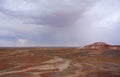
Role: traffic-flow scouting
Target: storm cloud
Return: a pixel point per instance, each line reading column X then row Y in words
column 58, row 23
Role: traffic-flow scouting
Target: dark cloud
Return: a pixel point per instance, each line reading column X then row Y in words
column 57, row 19
column 54, row 13
column 58, row 23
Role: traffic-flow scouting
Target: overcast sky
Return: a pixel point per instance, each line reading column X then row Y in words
column 59, row 22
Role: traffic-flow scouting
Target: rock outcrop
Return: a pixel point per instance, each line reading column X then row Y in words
column 101, row 45
column 98, row 45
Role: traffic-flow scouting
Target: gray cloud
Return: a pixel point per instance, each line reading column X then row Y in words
column 58, row 23
column 55, row 12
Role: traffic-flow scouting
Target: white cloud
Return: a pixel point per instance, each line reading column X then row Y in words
column 22, row 42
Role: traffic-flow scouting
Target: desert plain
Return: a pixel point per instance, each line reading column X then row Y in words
column 101, row 61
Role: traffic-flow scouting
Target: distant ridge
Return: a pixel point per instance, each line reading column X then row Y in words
column 101, row 45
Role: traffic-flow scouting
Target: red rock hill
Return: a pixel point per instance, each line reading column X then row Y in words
column 98, row 45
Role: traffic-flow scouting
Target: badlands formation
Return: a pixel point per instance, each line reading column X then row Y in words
column 95, row 60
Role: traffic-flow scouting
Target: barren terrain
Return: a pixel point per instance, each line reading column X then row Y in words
column 59, row 62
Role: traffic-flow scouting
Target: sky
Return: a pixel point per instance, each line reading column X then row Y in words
column 51, row 23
